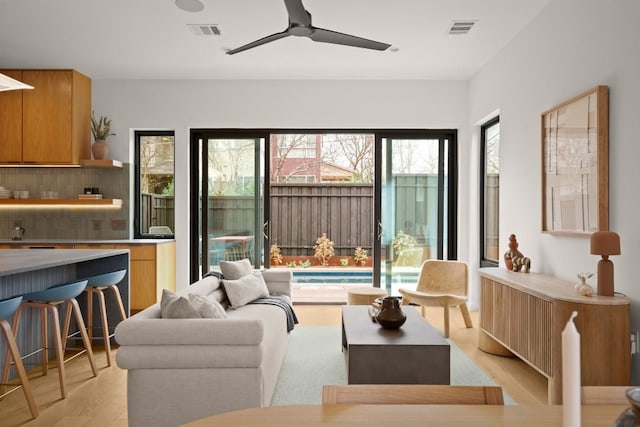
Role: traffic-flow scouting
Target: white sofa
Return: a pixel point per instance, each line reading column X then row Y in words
column 181, row 370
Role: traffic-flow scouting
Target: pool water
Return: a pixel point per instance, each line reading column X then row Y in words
column 333, row 277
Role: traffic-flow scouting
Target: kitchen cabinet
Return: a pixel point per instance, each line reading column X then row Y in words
column 11, row 121
column 153, row 268
column 56, row 119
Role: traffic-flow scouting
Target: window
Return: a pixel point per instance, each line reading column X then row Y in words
column 489, row 192
column 154, row 185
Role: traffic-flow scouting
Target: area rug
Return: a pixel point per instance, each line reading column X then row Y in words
column 314, row 358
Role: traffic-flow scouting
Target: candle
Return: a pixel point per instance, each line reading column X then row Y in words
column 571, row 374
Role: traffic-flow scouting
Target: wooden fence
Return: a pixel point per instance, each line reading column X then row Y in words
column 157, row 210
column 300, row 213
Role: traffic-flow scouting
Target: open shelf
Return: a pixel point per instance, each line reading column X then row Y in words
column 106, row 163
column 54, row 202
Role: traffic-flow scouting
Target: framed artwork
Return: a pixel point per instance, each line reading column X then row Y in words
column 575, row 165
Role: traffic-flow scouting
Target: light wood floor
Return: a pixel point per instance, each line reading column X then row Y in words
column 101, row 401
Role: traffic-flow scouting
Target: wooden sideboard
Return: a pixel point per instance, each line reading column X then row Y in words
column 525, row 313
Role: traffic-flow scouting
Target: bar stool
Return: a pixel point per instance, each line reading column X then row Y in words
column 96, row 286
column 7, row 308
column 49, row 299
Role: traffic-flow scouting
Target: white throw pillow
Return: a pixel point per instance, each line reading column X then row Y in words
column 246, row 289
column 234, row 270
column 173, row 306
column 207, row 308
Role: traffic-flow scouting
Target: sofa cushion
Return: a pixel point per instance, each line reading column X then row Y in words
column 234, row 270
column 246, row 289
column 174, row 306
column 208, row 308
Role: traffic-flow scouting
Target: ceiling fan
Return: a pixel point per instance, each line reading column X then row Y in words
column 300, row 25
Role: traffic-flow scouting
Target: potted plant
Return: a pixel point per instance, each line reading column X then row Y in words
column 360, row 256
column 324, row 249
column 344, row 262
column 275, row 254
column 100, row 129
column 402, row 242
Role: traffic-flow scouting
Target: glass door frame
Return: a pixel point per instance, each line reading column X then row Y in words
column 199, row 203
column 452, row 190
column 196, row 162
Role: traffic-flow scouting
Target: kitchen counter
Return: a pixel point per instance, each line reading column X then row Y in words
column 152, row 265
column 29, row 270
column 24, row 260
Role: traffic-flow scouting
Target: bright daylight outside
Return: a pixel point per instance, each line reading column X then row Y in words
column 156, row 183
column 321, row 204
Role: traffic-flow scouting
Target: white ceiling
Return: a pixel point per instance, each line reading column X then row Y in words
column 149, row 39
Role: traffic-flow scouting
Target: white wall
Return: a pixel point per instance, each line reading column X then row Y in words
column 181, row 105
column 572, row 46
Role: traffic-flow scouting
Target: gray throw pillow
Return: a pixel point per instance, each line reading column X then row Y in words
column 173, row 306
column 246, row 289
column 207, row 308
column 234, row 270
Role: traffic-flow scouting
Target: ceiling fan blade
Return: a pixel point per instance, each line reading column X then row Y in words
column 264, row 40
column 297, row 13
column 328, row 36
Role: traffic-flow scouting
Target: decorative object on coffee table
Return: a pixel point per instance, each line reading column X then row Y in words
column 605, row 243
column 390, row 315
column 514, row 260
column 100, row 129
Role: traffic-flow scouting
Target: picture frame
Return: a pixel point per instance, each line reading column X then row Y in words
column 575, row 165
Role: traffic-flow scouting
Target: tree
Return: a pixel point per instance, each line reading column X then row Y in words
column 156, row 162
column 227, row 162
column 354, row 149
column 292, row 146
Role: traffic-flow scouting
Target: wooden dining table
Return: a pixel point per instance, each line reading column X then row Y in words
column 409, row 416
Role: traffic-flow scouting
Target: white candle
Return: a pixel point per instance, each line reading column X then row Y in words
column 571, row 374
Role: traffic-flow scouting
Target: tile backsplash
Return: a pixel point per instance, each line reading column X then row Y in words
column 67, row 223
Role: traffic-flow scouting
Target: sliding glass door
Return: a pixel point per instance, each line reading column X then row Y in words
column 231, row 208
column 390, row 193
column 415, row 213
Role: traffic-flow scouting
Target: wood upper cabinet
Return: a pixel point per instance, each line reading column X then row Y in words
column 56, row 119
column 11, row 121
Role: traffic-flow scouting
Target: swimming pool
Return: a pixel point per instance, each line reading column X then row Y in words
column 337, row 276
column 333, row 276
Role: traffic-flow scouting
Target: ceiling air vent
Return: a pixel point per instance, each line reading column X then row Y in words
column 461, row 27
column 205, row 29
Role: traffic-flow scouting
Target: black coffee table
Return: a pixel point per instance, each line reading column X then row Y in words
column 414, row 354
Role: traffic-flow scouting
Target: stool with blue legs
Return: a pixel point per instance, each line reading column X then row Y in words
column 48, row 300
column 7, row 308
column 96, row 286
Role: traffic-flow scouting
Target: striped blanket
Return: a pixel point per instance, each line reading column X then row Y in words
column 283, row 303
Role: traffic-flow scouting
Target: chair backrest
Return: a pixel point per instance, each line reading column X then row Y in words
column 447, row 277
column 605, row 395
column 411, row 394
column 160, row 229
